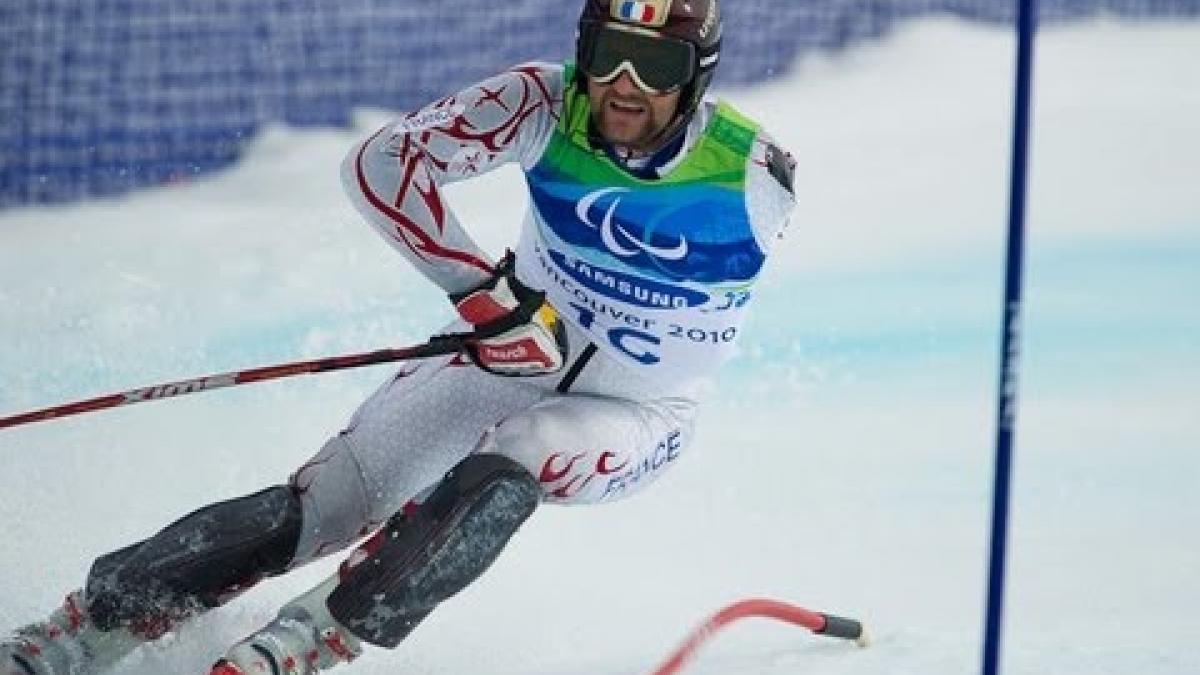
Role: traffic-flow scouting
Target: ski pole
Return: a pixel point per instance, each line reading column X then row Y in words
column 438, row 345
column 817, row 622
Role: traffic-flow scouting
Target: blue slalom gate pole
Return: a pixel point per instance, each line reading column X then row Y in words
column 1006, row 409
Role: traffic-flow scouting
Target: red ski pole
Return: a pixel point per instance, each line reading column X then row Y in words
column 438, row 345
column 821, row 624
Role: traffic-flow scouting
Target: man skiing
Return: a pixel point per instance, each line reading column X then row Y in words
column 652, row 211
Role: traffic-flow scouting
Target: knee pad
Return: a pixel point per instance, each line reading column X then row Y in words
column 427, row 555
column 198, row 562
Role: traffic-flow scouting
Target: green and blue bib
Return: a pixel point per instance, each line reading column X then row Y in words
column 658, row 272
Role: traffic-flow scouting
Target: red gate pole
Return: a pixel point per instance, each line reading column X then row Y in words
column 817, row 622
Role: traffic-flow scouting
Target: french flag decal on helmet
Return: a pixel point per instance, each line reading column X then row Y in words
column 646, row 12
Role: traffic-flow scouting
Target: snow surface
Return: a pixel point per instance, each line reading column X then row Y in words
column 846, row 463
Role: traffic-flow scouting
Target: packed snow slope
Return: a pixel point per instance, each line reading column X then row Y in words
column 845, row 462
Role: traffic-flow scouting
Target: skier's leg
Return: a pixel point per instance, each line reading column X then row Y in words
column 586, row 449
column 423, row 556
column 401, row 441
column 139, row 592
column 572, row 449
column 196, row 563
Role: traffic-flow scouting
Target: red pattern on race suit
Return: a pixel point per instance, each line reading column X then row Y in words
column 452, row 139
column 570, row 480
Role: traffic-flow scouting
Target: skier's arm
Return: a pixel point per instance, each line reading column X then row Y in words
column 394, row 178
column 770, row 190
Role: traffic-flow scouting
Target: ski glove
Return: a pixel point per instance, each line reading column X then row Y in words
column 526, row 335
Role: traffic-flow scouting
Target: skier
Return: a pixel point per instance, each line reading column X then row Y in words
column 652, row 212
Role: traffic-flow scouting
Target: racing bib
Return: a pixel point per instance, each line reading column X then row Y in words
column 657, row 272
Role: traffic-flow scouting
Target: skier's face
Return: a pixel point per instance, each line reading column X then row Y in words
column 628, row 116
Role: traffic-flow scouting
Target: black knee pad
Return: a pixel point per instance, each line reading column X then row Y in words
column 197, row 562
column 418, row 560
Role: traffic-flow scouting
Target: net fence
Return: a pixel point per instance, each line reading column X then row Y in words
column 100, row 96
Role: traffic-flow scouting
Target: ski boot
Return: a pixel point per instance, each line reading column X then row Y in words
column 302, row 640
column 67, row 643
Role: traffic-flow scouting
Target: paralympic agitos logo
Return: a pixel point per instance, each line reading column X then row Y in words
column 617, row 239
column 691, row 234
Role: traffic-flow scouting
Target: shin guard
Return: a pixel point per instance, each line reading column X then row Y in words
column 196, row 563
column 425, row 556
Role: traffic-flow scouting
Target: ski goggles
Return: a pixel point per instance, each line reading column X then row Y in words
column 656, row 64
